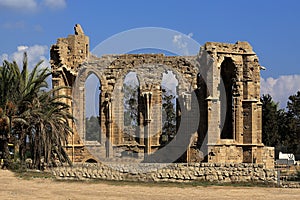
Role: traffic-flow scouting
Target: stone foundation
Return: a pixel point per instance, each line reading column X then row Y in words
column 176, row 172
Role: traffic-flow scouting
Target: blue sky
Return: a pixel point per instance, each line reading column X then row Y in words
column 271, row 27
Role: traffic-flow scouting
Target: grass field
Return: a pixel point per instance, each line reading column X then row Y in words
column 32, row 185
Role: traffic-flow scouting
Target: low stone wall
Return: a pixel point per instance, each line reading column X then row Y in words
column 290, row 184
column 169, row 172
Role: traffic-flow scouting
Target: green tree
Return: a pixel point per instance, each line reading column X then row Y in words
column 270, row 114
column 130, row 105
column 92, row 129
column 32, row 115
column 49, row 128
column 281, row 128
column 9, row 84
column 169, row 116
column 293, row 116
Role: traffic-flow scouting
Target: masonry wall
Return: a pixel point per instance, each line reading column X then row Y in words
column 229, row 72
column 176, row 172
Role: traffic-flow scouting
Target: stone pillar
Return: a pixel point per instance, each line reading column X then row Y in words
column 81, row 120
column 118, row 110
column 214, row 107
column 238, row 96
column 187, row 103
column 213, row 129
column 259, row 123
column 156, row 114
column 102, row 116
column 109, row 127
column 147, row 120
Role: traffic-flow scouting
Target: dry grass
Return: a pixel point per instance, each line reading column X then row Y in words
column 16, row 186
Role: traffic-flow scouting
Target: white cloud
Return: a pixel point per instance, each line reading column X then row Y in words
column 31, row 5
column 54, row 4
column 35, row 54
column 14, row 25
column 181, row 42
column 169, row 81
column 3, row 57
column 281, row 88
column 22, row 48
column 18, row 4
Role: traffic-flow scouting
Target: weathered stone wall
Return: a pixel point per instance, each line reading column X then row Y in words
column 224, row 77
column 176, row 172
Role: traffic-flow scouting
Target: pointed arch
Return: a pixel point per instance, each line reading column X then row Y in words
column 130, row 105
column 228, row 76
column 169, row 85
column 92, row 113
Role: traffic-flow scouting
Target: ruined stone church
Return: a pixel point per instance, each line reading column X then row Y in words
column 218, row 108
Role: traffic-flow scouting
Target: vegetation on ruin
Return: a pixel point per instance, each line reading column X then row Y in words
column 32, row 119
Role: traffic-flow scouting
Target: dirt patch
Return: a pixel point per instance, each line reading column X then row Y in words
column 12, row 187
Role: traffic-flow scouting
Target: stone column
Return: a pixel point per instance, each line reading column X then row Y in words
column 213, row 129
column 81, row 120
column 238, row 97
column 214, row 107
column 147, row 120
column 109, row 127
column 187, row 103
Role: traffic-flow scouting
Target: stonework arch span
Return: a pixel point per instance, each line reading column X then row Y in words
column 78, row 91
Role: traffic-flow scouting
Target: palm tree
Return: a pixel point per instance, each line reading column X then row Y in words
column 49, row 128
column 8, row 84
column 35, row 117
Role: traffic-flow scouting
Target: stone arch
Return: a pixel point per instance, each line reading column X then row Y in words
column 130, row 106
column 90, row 160
column 92, row 122
column 147, row 72
column 78, row 91
column 184, row 69
column 247, row 106
column 227, row 73
column 170, row 115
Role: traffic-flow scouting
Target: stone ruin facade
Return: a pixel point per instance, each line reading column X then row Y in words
column 218, row 112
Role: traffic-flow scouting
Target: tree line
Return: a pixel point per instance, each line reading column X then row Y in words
column 281, row 127
column 32, row 119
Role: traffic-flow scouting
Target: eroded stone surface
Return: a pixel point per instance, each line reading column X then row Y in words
column 218, row 172
column 224, row 94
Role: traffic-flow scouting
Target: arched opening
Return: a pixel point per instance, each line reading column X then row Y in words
column 169, row 107
column 130, row 103
column 202, row 95
column 92, row 98
column 228, row 77
column 91, row 160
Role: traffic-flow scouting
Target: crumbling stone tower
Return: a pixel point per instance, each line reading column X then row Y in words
column 66, row 57
column 239, row 138
column 218, row 111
